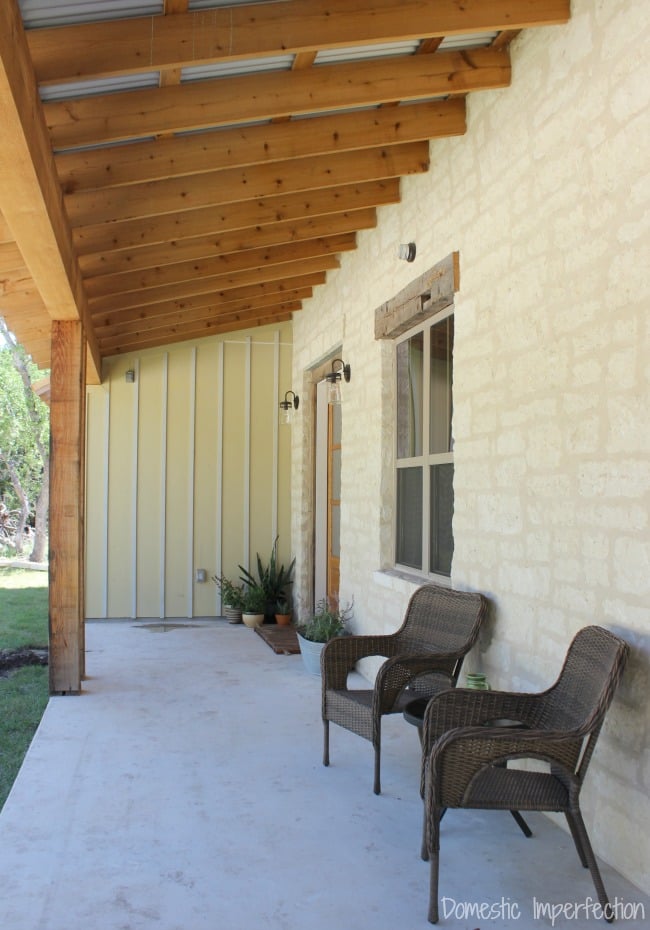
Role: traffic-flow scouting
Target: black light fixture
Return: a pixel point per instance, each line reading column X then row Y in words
column 407, row 251
column 288, row 406
column 334, row 380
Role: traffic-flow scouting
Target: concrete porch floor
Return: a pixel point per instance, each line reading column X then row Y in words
column 184, row 790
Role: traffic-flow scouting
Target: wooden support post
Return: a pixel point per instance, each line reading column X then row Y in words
column 67, row 431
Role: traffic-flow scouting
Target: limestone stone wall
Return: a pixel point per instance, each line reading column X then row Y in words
column 546, row 200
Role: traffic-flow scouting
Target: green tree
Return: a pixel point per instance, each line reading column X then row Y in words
column 24, row 449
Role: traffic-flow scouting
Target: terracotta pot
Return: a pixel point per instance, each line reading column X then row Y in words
column 283, row 619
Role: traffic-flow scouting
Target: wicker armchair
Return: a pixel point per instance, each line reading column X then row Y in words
column 423, row 657
column 469, row 736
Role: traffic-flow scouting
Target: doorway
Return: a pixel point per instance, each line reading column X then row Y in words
column 327, row 515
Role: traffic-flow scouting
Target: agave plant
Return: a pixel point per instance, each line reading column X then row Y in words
column 272, row 578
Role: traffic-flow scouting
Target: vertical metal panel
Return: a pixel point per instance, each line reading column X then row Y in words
column 247, row 453
column 275, row 420
column 107, row 445
column 96, row 517
column 191, row 452
column 163, row 483
column 134, row 491
column 219, row 477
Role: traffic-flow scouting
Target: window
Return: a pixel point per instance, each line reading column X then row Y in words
column 425, row 468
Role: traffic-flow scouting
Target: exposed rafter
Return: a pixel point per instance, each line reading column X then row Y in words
column 30, row 197
column 198, row 105
column 134, row 45
column 194, row 172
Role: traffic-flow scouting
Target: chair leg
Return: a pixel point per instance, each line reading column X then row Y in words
column 581, row 839
column 377, row 784
column 577, row 840
column 433, row 844
column 523, row 826
column 424, row 853
column 326, row 742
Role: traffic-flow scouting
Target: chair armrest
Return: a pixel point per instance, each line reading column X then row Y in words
column 460, row 754
column 401, row 670
column 465, row 707
column 341, row 654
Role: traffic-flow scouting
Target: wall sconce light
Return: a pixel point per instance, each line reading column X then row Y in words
column 334, row 380
column 129, row 376
column 407, row 251
column 288, row 406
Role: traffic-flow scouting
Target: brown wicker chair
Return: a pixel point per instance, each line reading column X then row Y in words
column 423, row 657
column 469, row 736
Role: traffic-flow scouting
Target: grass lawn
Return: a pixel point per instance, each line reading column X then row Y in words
column 23, row 692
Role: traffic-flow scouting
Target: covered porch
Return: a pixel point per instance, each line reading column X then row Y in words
column 183, row 790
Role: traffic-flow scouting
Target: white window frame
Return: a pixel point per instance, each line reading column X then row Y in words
column 426, row 459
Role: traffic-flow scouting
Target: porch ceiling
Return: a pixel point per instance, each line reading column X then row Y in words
column 200, row 167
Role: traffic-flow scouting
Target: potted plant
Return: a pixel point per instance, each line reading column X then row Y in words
column 324, row 624
column 283, row 612
column 272, row 578
column 232, row 598
column 254, row 602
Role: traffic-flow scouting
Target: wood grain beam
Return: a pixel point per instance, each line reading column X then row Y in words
column 250, row 145
column 92, row 50
column 250, row 294
column 250, row 97
column 100, row 237
column 30, row 194
column 207, row 285
column 196, row 328
column 11, row 258
column 67, row 416
column 181, row 272
column 222, row 309
column 179, row 250
column 215, row 328
column 156, row 198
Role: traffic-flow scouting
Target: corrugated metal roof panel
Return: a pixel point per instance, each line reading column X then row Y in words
column 103, row 145
column 232, row 68
column 112, row 85
column 299, row 116
column 473, row 40
column 38, row 14
column 359, row 52
column 209, row 4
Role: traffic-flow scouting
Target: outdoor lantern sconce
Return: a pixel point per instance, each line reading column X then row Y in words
column 288, row 406
column 334, row 380
column 129, row 376
column 407, row 251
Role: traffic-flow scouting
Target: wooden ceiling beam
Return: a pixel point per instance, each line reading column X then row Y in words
column 179, row 250
column 193, row 329
column 213, row 328
column 156, row 198
column 92, row 50
column 29, row 190
column 250, row 145
column 246, row 98
column 11, row 259
column 5, row 232
column 181, row 272
column 249, row 294
column 154, row 258
column 206, row 285
column 207, row 312
column 217, row 220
